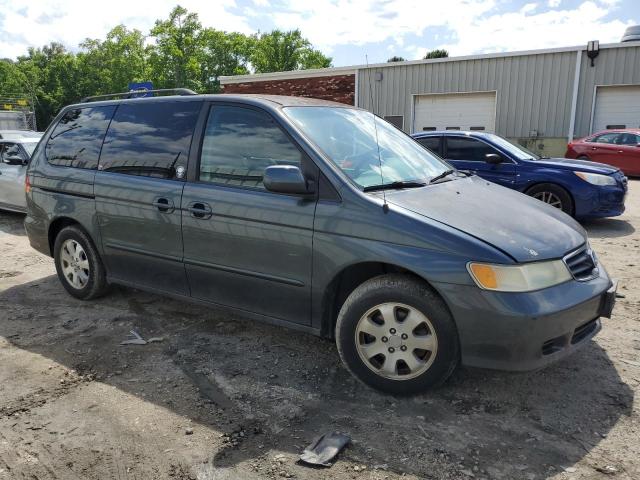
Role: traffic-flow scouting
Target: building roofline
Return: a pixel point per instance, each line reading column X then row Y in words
column 350, row 70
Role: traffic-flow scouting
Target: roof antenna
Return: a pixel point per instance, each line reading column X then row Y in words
column 385, row 205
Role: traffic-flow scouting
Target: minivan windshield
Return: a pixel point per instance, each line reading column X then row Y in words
column 514, row 149
column 348, row 137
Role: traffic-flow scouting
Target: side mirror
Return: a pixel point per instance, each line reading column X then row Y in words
column 14, row 160
column 285, row 179
column 493, row 158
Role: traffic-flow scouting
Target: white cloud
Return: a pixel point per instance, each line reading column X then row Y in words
column 461, row 26
column 475, row 25
column 25, row 23
column 525, row 31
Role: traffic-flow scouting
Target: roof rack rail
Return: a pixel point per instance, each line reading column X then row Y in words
column 132, row 93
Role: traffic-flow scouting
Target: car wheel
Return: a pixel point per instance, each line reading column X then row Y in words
column 582, row 157
column 553, row 195
column 395, row 334
column 78, row 264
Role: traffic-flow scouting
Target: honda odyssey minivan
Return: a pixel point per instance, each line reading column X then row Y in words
column 316, row 216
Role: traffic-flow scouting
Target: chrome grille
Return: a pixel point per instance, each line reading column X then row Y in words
column 582, row 264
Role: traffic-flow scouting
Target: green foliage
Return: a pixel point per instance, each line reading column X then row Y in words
column 178, row 52
column 395, row 58
column 440, row 53
column 279, row 51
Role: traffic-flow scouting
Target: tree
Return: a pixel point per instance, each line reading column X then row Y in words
column 279, row 51
column 175, row 58
column 439, row 53
column 108, row 66
column 395, row 58
column 223, row 54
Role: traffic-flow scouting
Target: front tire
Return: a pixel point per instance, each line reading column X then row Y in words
column 78, row 264
column 553, row 195
column 395, row 334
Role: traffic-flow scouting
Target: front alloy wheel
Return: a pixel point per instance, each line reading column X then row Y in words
column 396, row 334
column 396, row 341
column 550, row 198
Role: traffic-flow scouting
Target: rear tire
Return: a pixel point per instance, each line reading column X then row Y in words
column 553, row 195
column 395, row 334
column 582, row 157
column 78, row 264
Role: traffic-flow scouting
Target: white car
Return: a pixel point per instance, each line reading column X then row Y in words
column 17, row 134
column 14, row 157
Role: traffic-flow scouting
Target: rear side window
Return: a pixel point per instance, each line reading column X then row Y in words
column 431, row 143
column 469, row 149
column 239, row 143
column 606, row 138
column 149, row 138
column 628, row 139
column 77, row 138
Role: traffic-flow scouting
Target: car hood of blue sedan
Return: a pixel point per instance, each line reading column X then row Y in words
column 522, row 227
column 578, row 165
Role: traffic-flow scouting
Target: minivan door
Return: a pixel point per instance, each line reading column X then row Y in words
column 466, row 153
column 246, row 247
column 138, row 190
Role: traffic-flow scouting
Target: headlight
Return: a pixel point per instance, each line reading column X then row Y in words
column 519, row 278
column 596, row 179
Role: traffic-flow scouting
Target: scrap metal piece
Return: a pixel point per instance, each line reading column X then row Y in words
column 136, row 340
column 325, row 448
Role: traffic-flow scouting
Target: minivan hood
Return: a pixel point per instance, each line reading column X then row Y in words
column 579, row 165
column 522, row 227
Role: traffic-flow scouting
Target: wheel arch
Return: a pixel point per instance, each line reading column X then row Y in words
column 536, row 183
column 57, row 225
column 348, row 279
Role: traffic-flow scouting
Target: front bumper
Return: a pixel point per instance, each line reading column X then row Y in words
column 527, row 331
column 603, row 201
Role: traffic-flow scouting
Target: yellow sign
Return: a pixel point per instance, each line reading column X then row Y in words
column 22, row 102
column 8, row 106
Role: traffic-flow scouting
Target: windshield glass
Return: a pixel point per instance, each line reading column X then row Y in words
column 348, row 137
column 30, row 147
column 514, row 149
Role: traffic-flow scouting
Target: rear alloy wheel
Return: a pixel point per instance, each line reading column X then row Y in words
column 78, row 264
column 553, row 195
column 395, row 334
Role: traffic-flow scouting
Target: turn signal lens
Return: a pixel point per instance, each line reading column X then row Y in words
column 484, row 275
column 519, row 278
column 27, row 184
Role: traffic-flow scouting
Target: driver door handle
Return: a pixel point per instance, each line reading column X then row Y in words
column 164, row 205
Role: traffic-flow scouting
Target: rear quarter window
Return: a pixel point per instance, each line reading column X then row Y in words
column 149, row 138
column 76, row 139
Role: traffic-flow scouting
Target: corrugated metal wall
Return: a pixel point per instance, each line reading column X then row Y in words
column 533, row 92
column 614, row 66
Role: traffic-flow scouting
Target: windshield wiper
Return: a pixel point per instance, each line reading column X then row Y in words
column 446, row 173
column 395, row 185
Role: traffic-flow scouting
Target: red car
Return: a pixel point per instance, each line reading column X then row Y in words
column 620, row 148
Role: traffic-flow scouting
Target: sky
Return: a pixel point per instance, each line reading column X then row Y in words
column 350, row 31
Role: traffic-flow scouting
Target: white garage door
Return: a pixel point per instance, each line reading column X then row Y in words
column 617, row 107
column 455, row 111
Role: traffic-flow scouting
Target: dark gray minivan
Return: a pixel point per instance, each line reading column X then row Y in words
column 317, row 216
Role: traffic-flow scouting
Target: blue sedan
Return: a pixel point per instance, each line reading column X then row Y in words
column 580, row 188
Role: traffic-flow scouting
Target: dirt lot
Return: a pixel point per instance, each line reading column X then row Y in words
column 224, row 398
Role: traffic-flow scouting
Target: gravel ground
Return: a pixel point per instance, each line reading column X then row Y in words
column 221, row 397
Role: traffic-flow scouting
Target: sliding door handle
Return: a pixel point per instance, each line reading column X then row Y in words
column 200, row 210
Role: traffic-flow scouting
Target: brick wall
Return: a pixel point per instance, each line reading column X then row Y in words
column 338, row 88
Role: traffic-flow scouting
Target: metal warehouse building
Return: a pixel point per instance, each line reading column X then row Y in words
column 541, row 98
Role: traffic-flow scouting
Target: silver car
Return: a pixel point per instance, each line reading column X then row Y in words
column 14, row 157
